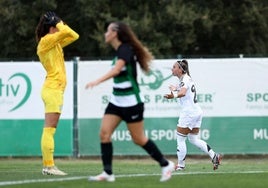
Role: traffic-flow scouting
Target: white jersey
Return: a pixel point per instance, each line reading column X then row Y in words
column 189, row 101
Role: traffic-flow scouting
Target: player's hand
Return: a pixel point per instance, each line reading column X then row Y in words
column 172, row 88
column 169, row 96
column 51, row 18
column 91, row 84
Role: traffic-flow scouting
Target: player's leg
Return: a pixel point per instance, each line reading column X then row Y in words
column 137, row 133
column 47, row 145
column 47, row 140
column 109, row 123
column 194, row 139
column 182, row 133
column 136, row 129
column 53, row 100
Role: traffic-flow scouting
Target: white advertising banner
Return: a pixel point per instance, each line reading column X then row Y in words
column 20, row 91
column 225, row 87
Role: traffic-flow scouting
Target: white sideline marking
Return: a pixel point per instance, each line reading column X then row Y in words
column 40, row 180
column 4, row 183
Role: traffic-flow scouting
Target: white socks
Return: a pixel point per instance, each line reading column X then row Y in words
column 195, row 140
column 181, row 149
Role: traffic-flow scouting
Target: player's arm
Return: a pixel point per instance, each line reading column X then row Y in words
column 181, row 93
column 176, row 94
column 184, row 85
column 66, row 35
column 120, row 63
column 173, row 88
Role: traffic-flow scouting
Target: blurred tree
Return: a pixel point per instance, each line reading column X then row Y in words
column 167, row 27
column 18, row 19
column 232, row 27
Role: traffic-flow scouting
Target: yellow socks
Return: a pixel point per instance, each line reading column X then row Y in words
column 47, row 146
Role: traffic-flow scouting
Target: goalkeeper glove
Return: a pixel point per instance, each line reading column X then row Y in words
column 51, row 18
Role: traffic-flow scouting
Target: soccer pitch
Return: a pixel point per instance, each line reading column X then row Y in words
column 138, row 172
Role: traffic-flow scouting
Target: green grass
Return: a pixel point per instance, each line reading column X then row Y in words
column 137, row 173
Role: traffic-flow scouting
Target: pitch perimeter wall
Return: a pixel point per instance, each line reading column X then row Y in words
column 232, row 92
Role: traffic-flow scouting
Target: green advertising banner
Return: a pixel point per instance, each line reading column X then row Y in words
column 22, row 111
column 228, row 135
column 22, row 137
column 235, row 106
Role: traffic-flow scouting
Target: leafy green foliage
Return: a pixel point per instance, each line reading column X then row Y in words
column 166, row 27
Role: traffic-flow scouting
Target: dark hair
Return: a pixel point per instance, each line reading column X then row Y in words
column 41, row 29
column 126, row 35
column 183, row 64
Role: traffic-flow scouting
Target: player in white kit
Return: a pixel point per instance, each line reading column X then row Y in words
column 190, row 119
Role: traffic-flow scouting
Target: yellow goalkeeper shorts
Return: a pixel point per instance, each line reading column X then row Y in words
column 53, row 100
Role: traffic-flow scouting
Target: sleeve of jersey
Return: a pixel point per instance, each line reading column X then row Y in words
column 66, row 34
column 124, row 53
column 185, row 83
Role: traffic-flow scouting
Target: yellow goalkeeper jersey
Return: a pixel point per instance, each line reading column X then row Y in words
column 50, row 53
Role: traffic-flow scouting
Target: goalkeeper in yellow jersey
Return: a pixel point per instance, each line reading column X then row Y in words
column 52, row 36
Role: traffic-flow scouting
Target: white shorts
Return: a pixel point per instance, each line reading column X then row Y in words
column 190, row 121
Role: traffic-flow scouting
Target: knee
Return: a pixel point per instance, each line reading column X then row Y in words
column 137, row 142
column 192, row 138
column 141, row 141
column 181, row 139
column 105, row 136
